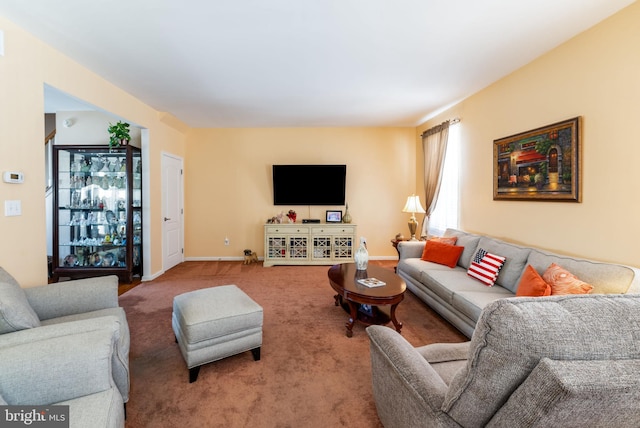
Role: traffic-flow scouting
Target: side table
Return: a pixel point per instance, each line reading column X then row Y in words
column 394, row 242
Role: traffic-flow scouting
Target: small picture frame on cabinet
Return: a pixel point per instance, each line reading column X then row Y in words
column 334, row 216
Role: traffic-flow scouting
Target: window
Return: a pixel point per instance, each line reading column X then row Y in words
column 447, row 207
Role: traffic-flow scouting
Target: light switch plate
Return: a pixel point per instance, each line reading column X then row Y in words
column 12, row 208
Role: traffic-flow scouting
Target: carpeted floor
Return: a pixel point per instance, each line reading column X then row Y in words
column 310, row 373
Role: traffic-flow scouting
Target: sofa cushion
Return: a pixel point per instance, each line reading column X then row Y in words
column 446, row 283
column 467, row 240
column 472, row 302
column 531, row 284
column 7, row 277
column 514, row 265
column 585, row 327
column 485, row 267
column 15, row 311
column 564, row 282
column 606, row 278
column 575, row 393
column 442, row 253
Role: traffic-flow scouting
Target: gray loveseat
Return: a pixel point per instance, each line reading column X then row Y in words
column 65, row 343
column 460, row 298
column 557, row 361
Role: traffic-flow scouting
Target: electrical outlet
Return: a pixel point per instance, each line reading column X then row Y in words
column 226, row 241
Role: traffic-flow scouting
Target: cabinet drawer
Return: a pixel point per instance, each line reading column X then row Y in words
column 287, row 230
column 340, row 230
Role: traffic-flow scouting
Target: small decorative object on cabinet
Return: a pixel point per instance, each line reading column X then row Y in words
column 347, row 217
column 97, row 212
column 362, row 255
column 320, row 244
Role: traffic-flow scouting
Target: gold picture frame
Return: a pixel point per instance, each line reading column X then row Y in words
column 539, row 165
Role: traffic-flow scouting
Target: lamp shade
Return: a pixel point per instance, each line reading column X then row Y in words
column 413, row 205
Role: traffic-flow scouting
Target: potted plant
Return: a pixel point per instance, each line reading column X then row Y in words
column 118, row 134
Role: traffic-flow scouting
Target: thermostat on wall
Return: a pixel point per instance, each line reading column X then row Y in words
column 13, row 177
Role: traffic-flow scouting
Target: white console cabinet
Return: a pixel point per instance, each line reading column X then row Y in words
column 309, row 244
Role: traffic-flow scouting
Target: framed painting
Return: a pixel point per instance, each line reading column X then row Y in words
column 539, row 165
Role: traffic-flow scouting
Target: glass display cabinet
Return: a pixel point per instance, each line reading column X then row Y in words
column 97, row 212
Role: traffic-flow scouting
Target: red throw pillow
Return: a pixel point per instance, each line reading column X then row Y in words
column 532, row 284
column 450, row 240
column 443, row 254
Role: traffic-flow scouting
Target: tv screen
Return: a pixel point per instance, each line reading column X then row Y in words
column 309, row 184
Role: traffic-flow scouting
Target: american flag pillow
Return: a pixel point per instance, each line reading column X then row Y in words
column 485, row 267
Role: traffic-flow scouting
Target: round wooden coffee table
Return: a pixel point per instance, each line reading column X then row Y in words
column 352, row 295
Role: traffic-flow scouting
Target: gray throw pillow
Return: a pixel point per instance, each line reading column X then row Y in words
column 15, row 311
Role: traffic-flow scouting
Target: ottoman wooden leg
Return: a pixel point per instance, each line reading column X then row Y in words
column 256, row 354
column 193, row 374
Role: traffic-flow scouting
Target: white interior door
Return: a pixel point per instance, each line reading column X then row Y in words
column 172, row 211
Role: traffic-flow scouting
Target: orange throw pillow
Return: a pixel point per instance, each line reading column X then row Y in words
column 564, row 282
column 443, row 254
column 532, row 284
column 451, row 240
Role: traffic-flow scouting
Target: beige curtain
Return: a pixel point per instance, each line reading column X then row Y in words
column 434, row 147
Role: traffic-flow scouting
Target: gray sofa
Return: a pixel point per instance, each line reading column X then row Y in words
column 460, row 298
column 48, row 330
column 557, row 361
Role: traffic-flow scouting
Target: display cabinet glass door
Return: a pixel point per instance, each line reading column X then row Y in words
column 298, row 247
column 343, row 247
column 322, row 247
column 97, row 211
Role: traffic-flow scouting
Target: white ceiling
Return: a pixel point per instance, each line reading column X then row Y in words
column 277, row 63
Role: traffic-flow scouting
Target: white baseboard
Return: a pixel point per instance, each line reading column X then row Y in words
column 151, row 277
column 234, row 259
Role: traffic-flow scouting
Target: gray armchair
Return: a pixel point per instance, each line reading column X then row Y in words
column 69, row 364
column 570, row 361
column 38, row 313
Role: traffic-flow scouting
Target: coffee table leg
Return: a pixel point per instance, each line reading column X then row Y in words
column 353, row 308
column 396, row 323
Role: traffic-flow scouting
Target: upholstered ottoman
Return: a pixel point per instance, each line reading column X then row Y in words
column 215, row 323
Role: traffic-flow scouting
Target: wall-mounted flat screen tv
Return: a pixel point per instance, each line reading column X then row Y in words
column 309, row 184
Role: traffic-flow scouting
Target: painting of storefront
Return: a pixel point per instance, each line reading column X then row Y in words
column 541, row 164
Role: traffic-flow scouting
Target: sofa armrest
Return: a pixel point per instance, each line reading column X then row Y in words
column 411, row 249
column 46, row 332
column 56, row 369
column 406, row 389
column 73, row 297
column 445, row 352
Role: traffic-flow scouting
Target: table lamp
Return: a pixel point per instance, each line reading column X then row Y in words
column 413, row 206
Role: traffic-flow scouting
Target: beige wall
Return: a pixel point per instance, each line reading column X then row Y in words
column 229, row 190
column 89, row 127
column 227, row 171
column 596, row 75
column 24, row 69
